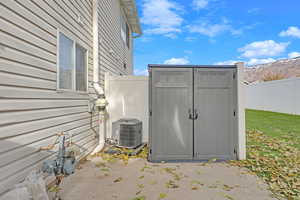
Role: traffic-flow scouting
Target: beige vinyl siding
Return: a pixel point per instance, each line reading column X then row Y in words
column 32, row 111
column 113, row 52
column 128, row 52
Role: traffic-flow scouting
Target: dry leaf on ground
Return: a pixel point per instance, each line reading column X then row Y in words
column 276, row 161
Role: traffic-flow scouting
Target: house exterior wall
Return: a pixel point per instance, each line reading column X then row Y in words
column 113, row 52
column 32, row 110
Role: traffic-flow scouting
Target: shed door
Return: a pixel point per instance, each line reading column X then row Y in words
column 213, row 101
column 172, row 130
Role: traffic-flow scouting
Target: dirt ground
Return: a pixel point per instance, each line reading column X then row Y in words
column 141, row 180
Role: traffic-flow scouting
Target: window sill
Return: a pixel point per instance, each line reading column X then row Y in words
column 72, row 92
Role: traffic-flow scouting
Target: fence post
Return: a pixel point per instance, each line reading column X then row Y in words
column 241, row 111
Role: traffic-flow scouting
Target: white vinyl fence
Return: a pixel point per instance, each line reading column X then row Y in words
column 128, row 98
column 277, row 96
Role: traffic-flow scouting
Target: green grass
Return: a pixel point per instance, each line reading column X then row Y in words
column 273, row 124
column 273, row 151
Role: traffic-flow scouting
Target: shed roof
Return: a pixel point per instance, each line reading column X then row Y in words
column 190, row 66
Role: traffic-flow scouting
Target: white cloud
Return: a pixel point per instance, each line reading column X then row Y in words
column 255, row 61
column 210, row 30
column 294, row 54
column 141, row 72
column 291, row 31
column 200, row 4
column 188, row 52
column 171, row 35
column 190, row 39
column 263, row 48
column 227, row 62
column 145, row 39
column 177, row 61
column 252, row 61
column 162, row 17
column 214, row 29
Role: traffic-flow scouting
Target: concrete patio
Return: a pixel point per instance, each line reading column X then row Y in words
column 139, row 180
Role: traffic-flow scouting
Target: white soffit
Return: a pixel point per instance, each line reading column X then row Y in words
column 132, row 15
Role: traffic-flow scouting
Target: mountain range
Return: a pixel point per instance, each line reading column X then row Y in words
column 280, row 69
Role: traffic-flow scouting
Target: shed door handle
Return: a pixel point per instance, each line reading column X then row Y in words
column 196, row 114
column 190, row 114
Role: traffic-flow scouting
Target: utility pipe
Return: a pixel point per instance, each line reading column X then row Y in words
column 99, row 90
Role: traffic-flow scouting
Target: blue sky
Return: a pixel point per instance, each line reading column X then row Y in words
column 216, row 32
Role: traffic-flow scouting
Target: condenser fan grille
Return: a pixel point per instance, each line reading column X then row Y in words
column 128, row 132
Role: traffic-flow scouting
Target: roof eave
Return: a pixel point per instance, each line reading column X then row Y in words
column 132, row 15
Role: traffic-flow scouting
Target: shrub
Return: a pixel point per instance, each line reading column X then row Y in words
column 271, row 76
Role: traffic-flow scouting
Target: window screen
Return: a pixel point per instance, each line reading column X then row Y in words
column 81, row 69
column 66, row 62
column 123, row 29
column 125, row 32
column 127, row 36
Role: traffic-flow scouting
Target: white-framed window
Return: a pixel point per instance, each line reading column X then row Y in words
column 125, row 31
column 72, row 65
column 127, row 36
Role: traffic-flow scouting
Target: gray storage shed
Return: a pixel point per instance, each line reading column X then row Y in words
column 196, row 113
